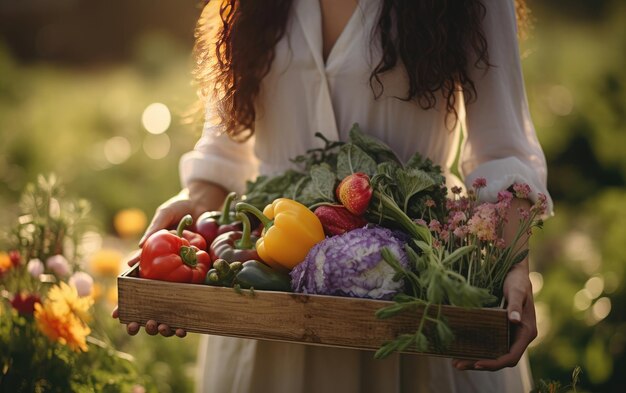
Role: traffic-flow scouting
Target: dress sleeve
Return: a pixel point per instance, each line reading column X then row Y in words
column 500, row 140
column 218, row 159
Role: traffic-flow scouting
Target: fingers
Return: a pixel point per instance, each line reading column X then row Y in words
column 132, row 328
column 115, row 313
column 133, row 257
column 524, row 335
column 153, row 328
column 166, row 215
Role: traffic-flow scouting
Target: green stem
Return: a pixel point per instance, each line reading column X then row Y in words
column 246, row 207
column 184, row 223
column 225, row 216
column 245, row 243
column 393, row 210
column 188, row 255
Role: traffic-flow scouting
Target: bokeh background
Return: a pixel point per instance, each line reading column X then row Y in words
column 99, row 92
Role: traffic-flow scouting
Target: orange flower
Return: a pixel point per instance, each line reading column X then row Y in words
column 65, row 299
column 5, row 262
column 63, row 316
column 65, row 328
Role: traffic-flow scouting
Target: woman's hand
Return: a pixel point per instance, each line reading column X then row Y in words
column 520, row 308
column 521, row 311
column 199, row 197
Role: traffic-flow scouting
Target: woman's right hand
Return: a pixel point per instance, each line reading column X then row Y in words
column 200, row 197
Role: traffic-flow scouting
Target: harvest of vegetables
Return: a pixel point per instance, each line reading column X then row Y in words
column 355, row 221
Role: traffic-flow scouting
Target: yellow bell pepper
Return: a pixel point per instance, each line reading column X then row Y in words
column 291, row 230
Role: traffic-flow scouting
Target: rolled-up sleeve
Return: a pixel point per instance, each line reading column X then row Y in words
column 500, row 140
column 218, row 159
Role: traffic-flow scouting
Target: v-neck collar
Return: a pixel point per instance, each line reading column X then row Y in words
column 309, row 14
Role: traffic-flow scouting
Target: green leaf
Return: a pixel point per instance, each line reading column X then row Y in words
column 404, row 341
column 444, row 333
column 323, row 181
column 410, row 182
column 421, row 342
column 372, row 146
column 390, row 311
column 352, row 159
column 457, row 254
column 387, row 349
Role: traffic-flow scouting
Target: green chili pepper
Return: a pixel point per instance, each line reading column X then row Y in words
column 257, row 275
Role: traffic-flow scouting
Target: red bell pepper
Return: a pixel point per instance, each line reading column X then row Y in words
column 195, row 239
column 170, row 257
column 212, row 224
column 337, row 219
column 235, row 246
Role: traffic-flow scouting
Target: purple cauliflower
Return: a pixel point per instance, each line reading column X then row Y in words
column 351, row 265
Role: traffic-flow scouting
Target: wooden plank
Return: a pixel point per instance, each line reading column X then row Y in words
column 309, row 319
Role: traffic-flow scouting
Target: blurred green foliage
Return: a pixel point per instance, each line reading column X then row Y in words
column 574, row 64
column 59, row 119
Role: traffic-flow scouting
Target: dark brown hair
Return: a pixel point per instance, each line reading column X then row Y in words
column 436, row 41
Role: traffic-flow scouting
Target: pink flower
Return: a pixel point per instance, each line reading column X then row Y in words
column 504, row 195
column 429, row 203
column 461, row 231
column 16, row 257
column 82, row 282
column 435, row 226
column 541, row 206
column 456, row 190
column 479, row 183
column 421, row 222
column 500, row 243
column 522, row 190
column 35, row 267
column 524, row 214
column 484, row 222
column 456, row 219
column 59, row 265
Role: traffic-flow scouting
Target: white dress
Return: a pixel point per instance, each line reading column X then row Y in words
column 302, row 95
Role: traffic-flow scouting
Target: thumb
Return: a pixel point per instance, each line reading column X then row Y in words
column 161, row 220
column 515, row 305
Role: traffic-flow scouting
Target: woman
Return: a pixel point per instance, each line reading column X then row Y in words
column 416, row 74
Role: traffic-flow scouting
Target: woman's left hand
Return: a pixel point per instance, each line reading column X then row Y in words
column 521, row 311
column 518, row 293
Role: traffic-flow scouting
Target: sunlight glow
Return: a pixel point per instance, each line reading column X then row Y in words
column 544, row 322
column 579, row 247
column 601, row 308
column 157, row 146
column 117, row 150
column 595, row 286
column 582, row 300
column 560, row 100
column 156, row 118
column 536, row 279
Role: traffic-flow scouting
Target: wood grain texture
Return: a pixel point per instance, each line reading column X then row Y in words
column 309, row 319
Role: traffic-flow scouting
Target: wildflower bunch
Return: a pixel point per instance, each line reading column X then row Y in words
column 463, row 260
column 46, row 300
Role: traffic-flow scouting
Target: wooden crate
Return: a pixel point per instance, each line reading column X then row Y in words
column 299, row 318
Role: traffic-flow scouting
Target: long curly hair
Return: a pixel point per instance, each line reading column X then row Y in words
column 436, row 41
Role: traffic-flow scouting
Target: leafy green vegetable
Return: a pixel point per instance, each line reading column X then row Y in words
column 374, row 147
column 353, row 159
